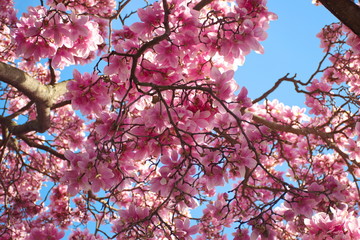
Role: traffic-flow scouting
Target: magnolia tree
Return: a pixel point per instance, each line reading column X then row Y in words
column 137, row 147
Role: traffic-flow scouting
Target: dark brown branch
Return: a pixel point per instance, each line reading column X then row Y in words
column 52, row 73
column 122, row 5
column 42, row 147
column 202, row 4
column 276, row 85
column 60, row 104
column 151, row 43
column 287, row 128
column 20, row 111
column 346, row 11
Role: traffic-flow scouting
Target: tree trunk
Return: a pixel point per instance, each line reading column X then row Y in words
column 346, row 11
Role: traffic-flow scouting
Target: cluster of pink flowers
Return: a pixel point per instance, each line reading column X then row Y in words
column 338, row 223
column 86, row 173
column 345, row 62
column 164, row 126
column 54, row 33
column 102, row 8
column 7, row 21
column 46, row 232
column 60, row 207
column 83, row 235
column 86, row 93
column 8, row 14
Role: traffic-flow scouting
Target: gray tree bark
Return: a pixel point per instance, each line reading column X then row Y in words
column 44, row 97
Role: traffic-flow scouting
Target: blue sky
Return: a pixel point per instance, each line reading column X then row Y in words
column 292, row 47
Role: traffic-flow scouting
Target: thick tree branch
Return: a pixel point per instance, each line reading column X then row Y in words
column 202, row 4
column 44, row 96
column 346, row 11
column 287, row 128
column 29, row 86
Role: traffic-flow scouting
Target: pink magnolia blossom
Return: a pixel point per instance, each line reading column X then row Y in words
column 87, row 98
column 150, row 18
column 86, row 173
column 163, row 184
column 340, row 224
column 83, row 235
column 55, row 34
column 46, row 232
column 225, row 84
column 167, row 54
column 184, row 230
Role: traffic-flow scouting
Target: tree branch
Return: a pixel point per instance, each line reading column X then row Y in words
column 347, row 11
column 43, row 147
column 287, row 128
column 44, row 96
column 202, row 4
